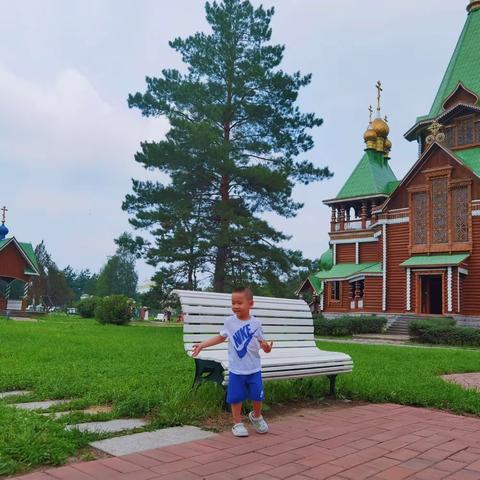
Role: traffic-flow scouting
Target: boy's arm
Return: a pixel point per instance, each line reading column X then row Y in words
column 266, row 346
column 197, row 348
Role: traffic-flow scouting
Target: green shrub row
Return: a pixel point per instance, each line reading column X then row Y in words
column 348, row 325
column 418, row 327
column 445, row 332
column 116, row 309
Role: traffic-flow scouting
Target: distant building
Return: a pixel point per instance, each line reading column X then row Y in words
column 413, row 246
column 18, row 266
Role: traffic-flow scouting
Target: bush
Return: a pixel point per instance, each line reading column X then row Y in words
column 116, row 309
column 444, row 332
column 418, row 327
column 86, row 307
column 348, row 325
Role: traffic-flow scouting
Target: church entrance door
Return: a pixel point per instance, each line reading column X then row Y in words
column 431, row 294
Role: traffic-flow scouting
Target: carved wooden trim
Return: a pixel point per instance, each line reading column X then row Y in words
column 438, row 172
column 418, row 288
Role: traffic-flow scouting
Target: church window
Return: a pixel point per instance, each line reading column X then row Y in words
column 465, row 132
column 460, row 214
column 335, row 291
column 450, row 136
column 440, row 210
column 419, row 201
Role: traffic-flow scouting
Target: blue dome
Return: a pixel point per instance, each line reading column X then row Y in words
column 3, row 231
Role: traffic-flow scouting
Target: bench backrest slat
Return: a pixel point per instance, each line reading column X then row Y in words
column 226, row 311
column 285, row 321
column 220, row 319
column 289, row 344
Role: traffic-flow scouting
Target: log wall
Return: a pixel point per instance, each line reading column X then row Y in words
column 370, row 252
column 345, row 253
column 397, row 252
column 372, row 295
column 471, row 283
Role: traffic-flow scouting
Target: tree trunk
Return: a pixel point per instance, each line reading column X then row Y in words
column 222, row 248
column 223, row 244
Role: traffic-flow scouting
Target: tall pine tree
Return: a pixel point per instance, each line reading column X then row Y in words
column 231, row 153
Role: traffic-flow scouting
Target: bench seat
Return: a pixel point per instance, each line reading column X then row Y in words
column 286, row 322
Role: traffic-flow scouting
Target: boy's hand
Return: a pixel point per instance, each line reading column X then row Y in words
column 266, row 346
column 196, row 349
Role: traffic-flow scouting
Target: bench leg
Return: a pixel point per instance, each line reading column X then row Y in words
column 333, row 386
column 207, row 371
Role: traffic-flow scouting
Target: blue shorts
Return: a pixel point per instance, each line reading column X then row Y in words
column 245, row 387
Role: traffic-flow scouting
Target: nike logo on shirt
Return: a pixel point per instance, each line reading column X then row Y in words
column 242, row 338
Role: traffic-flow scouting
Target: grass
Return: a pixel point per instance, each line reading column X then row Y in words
column 144, row 371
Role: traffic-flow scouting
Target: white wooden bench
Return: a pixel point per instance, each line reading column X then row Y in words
column 288, row 323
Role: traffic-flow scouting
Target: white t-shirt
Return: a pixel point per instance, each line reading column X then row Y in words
column 243, row 344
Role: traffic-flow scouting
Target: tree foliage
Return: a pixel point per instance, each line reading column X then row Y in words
column 231, row 155
column 118, row 275
column 81, row 281
column 51, row 287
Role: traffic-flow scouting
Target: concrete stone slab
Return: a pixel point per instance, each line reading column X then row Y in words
column 14, row 393
column 57, row 414
column 469, row 381
column 110, row 426
column 140, row 442
column 39, row 405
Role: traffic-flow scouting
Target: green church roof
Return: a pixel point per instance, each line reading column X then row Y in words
column 464, row 65
column 316, row 284
column 347, row 270
column 371, row 176
column 435, row 260
column 30, row 253
column 471, row 158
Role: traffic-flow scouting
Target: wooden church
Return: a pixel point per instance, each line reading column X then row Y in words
column 412, row 246
column 18, row 267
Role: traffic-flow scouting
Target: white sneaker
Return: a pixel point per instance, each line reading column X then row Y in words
column 259, row 424
column 239, row 430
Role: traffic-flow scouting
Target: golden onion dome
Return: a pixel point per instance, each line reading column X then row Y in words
column 388, row 145
column 370, row 135
column 381, row 127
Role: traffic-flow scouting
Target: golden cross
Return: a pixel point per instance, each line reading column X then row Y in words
column 386, row 119
column 435, row 128
column 379, row 95
column 4, row 210
column 370, row 109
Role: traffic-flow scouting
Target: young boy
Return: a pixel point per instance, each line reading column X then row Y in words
column 245, row 335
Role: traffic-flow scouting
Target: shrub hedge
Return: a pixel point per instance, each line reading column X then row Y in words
column 444, row 331
column 418, row 327
column 86, row 307
column 115, row 309
column 348, row 325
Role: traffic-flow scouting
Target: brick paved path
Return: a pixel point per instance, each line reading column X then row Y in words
column 383, row 442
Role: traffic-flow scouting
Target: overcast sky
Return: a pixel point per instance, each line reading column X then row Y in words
column 67, row 137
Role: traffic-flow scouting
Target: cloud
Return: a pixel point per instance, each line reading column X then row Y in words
column 67, row 125
column 67, row 160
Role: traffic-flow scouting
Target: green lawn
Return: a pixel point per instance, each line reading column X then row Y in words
column 143, row 371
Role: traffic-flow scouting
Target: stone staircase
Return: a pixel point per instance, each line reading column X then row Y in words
column 400, row 324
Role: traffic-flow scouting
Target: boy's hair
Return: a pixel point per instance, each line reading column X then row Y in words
column 241, row 289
